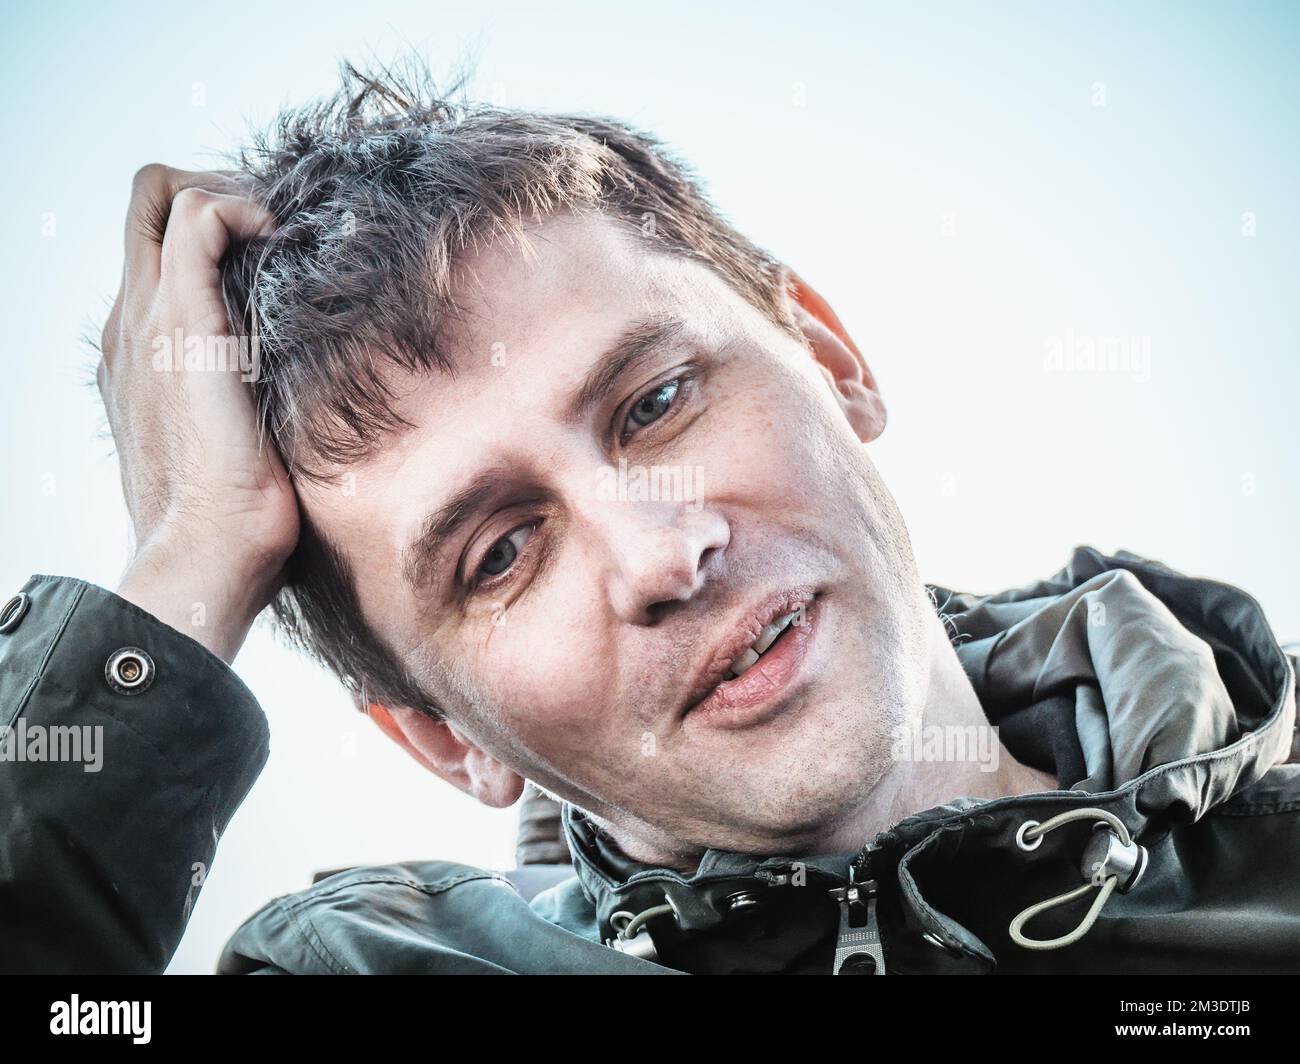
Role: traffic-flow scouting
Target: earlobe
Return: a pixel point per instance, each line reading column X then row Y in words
column 440, row 748
column 839, row 359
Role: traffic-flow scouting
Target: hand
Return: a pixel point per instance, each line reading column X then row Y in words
column 214, row 514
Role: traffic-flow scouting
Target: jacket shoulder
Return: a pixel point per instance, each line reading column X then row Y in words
column 427, row 917
column 363, row 920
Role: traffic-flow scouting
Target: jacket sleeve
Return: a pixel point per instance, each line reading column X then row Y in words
column 118, row 775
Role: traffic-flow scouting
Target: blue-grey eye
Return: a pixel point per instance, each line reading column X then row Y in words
column 503, row 552
column 655, row 404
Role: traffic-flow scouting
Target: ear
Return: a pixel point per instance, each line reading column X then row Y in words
column 446, row 753
column 839, row 359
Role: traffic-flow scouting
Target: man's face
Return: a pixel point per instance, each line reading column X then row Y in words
column 510, row 547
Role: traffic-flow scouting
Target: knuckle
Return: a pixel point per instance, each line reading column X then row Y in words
column 187, row 199
column 193, row 204
column 150, row 178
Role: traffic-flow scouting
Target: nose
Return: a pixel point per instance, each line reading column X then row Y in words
column 661, row 555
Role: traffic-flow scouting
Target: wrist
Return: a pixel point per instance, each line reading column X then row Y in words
column 214, row 601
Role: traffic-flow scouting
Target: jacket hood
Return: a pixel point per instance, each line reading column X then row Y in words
column 1149, row 695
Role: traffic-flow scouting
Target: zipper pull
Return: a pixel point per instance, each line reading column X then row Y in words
column 857, row 949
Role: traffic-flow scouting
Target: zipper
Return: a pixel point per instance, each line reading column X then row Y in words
column 861, row 868
column 858, row 948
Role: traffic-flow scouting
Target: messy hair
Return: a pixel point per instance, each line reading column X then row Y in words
column 377, row 191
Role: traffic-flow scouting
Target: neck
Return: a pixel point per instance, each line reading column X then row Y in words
column 952, row 753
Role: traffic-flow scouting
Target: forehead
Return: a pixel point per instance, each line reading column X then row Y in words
column 531, row 322
column 570, row 272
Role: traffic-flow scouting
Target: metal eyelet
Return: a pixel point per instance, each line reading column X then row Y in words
column 129, row 671
column 14, row 611
column 1112, row 860
column 1028, row 847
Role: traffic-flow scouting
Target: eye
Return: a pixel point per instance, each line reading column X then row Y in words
column 653, row 405
column 502, row 554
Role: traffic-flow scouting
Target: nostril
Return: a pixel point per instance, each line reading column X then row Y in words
column 706, row 556
column 657, row 611
column 658, row 568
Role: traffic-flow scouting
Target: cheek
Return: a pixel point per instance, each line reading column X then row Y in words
column 541, row 677
column 781, row 439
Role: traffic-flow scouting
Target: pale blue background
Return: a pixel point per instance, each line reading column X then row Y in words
column 939, row 171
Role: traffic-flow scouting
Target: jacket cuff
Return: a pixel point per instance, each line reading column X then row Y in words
column 109, row 838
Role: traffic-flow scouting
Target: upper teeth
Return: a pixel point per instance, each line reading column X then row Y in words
column 765, row 639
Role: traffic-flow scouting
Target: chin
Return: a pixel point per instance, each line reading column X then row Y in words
column 817, row 778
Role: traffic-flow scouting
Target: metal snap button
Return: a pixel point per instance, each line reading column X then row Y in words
column 14, row 611
column 742, row 901
column 129, row 671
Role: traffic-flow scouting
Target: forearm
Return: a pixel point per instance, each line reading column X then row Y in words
column 102, row 856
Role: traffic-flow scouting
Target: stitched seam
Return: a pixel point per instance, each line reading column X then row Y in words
column 296, row 908
column 941, row 922
column 1259, row 808
column 438, row 886
column 49, row 652
column 311, row 937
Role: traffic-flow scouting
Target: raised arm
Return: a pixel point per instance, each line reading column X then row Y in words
column 126, row 742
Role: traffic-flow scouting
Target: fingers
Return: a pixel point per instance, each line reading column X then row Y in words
column 153, row 191
column 179, row 222
column 201, row 227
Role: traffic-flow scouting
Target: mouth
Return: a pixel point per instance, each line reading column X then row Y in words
column 747, row 673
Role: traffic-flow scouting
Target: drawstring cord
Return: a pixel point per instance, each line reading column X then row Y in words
column 628, row 925
column 633, row 936
column 1112, row 861
column 1084, row 927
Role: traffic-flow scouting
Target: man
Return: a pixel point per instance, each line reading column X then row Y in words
column 569, row 483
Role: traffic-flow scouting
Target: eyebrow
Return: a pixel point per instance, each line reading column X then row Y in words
column 636, row 344
column 445, row 522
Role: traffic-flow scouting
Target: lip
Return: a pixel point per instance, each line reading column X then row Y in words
column 747, row 699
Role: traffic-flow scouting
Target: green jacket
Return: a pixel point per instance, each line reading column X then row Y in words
column 1160, row 702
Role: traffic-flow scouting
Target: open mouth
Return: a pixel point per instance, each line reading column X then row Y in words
column 767, row 639
column 751, row 681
